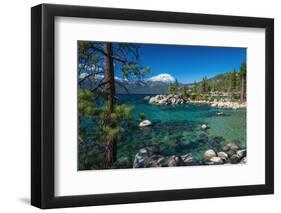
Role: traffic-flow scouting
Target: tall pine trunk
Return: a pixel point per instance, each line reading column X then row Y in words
column 242, row 91
column 110, row 97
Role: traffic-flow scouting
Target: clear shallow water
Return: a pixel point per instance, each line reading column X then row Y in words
column 177, row 130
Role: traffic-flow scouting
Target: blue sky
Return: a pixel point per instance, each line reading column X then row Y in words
column 190, row 63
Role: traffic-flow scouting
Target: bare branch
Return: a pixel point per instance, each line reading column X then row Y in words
column 99, row 50
column 89, row 76
column 101, row 83
column 124, row 87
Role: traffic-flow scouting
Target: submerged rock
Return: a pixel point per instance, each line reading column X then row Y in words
column 204, row 126
column 209, row 154
column 146, row 98
column 220, row 113
column 145, row 123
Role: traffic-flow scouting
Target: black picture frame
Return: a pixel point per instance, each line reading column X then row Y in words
column 43, row 111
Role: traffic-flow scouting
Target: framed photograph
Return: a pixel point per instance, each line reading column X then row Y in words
column 139, row 106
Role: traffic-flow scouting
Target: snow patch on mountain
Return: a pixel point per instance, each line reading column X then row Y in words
column 163, row 77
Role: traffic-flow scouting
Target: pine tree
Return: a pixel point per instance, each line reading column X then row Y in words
column 233, row 81
column 173, row 88
column 102, row 59
column 204, row 85
column 243, row 75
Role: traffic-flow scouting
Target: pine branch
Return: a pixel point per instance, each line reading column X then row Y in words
column 124, row 87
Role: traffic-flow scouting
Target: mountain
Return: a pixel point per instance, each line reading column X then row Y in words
column 163, row 77
column 219, row 79
column 154, row 85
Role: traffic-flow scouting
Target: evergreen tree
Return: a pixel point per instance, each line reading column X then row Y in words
column 243, row 75
column 102, row 59
column 173, row 88
column 185, row 92
column 204, row 85
column 233, row 81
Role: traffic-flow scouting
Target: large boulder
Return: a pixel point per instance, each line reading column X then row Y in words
column 166, row 99
column 140, row 157
column 231, row 148
column 243, row 160
column 235, row 159
column 188, row 160
column 145, row 123
column 163, row 102
column 145, row 159
column 209, row 154
column 223, row 156
column 242, row 153
column 215, row 161
column 144, row 152
column 173, row 161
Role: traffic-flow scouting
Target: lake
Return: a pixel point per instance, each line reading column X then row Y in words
column 176, row 129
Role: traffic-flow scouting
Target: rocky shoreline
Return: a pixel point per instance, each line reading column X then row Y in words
column 230, row 154
column 166, row 100
column 176, row 100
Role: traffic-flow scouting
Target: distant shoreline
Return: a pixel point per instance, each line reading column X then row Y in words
column 223, row 103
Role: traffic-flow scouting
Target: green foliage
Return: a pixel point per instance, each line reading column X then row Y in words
column 123, row 164
column 173, row 88
column 195, row 91
column 94, row 58
column 204, row 85
column 229, row 84
column 112, row 123
column 189, row 137
column 111, row 119
column 126, row 70
column 145, row 70
column 85, row 103
column 216, row 142
column 234, row 81
column 185, row 92
column 86, row 55
column 142, row 116
column 243, row 70
column 86, row 108
column 242, row 74
column 176, row 145
column 111, row 127
column 91, row 159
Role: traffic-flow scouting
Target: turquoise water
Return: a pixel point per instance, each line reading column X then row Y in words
column 177, row 129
